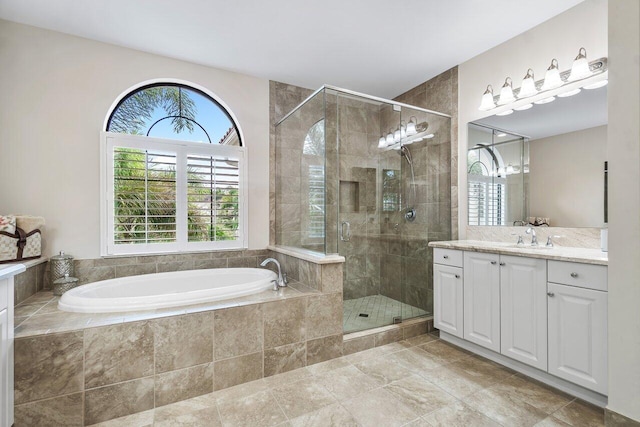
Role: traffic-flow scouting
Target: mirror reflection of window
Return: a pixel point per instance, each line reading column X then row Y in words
column 313, row 151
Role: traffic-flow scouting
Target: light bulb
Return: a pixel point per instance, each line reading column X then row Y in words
column 505, row 113
column 500, row 171
column 510, row 169
column 552, row 78
column 524, row 107
column 568, row 94
column 411, row 126
column 506, row 93
column 403, row 132
column 487, row 102
column 397, row 136
column 382, row 142
column 596, row 85
column 580, row 68
column 389, row 139
column 528, row 87
column 545, row 100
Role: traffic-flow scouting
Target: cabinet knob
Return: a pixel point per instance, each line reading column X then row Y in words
column 502, row 264
column 551, row 294
column 446, row 257
column 457, row 276
column 574, row 275
column 494, row 262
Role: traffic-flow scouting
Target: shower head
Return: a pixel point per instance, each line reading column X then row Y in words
column 406, row 153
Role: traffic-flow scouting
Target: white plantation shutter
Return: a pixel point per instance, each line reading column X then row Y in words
column 213, row 197
column 172, row 196
column 316, row 201
column 487, row 200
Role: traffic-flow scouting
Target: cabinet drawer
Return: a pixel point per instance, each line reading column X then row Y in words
column 588, row 276
column 447, row 257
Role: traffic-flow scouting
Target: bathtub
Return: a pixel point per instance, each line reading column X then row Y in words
column 162, row 290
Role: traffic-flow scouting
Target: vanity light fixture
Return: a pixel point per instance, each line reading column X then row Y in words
column 389, row 138
column 545, row 100
column 411, row 126
column 505, row 113
column 528, row 87
column 596, row 85
column 487, row 102
column 568, row 94
column 552, row 77
column 580, row 68
column 382, row 142
column 506, row 93
column 523, row 107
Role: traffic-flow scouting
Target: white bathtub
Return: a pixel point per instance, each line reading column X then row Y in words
column 161, row 290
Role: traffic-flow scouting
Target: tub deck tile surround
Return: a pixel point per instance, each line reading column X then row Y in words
column 119, row 364
column 325, row 394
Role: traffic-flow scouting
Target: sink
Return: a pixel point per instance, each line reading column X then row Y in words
column 527, row 246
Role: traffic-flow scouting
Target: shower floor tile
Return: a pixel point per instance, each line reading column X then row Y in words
column 381, row 311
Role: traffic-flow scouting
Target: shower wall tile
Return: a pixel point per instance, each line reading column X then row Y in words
column 324, row 315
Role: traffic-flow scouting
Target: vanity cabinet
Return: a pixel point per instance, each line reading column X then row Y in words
column 523, row 310
column 482, row 299
column 447, row 291
column 578, row 324
column 6, row 342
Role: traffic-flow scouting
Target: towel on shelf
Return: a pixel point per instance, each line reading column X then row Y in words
column 8, row 223
column 29, row 223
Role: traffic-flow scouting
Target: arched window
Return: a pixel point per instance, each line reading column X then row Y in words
column 173, row 173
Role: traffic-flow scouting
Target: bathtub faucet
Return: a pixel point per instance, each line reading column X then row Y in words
column 280, row 283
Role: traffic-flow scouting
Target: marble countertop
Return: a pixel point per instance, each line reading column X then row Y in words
column 558, row 253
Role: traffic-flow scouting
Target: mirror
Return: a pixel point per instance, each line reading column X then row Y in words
column 544, row 165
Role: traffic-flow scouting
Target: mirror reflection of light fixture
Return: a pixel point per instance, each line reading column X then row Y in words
column 569, row 93
column 528, row 87
column 411, row 126
column 382, row 142
column 552, row 77
column 545, row 100
column 487, row 102
column 505, row 113
column 596, row 85
column 523, row 107
column 506, row 93
column 580, row 68
column 389, row 138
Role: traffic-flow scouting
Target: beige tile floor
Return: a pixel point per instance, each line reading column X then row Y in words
column 381, row 311
column 419, row 382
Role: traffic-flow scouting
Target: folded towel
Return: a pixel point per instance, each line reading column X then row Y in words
column 29, row 223
column 8, row 223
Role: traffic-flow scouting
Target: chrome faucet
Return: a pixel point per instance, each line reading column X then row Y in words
column 280, row 283
column 534, row 239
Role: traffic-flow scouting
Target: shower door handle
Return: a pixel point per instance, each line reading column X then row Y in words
column 345, row 237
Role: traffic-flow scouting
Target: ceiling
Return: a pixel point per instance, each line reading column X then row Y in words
column 380, row 47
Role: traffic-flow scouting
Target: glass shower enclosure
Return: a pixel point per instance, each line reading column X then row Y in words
column 369, row 179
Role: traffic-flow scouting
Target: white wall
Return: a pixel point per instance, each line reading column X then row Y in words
column 566, row 183
column 623, row 151
column 584, row 25
column 56, row 91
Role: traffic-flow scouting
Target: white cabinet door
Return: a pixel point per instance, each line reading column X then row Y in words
column 482, row 299
column 523, row 302
column 447, row 299
column 578, row 335
column 4, row 369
